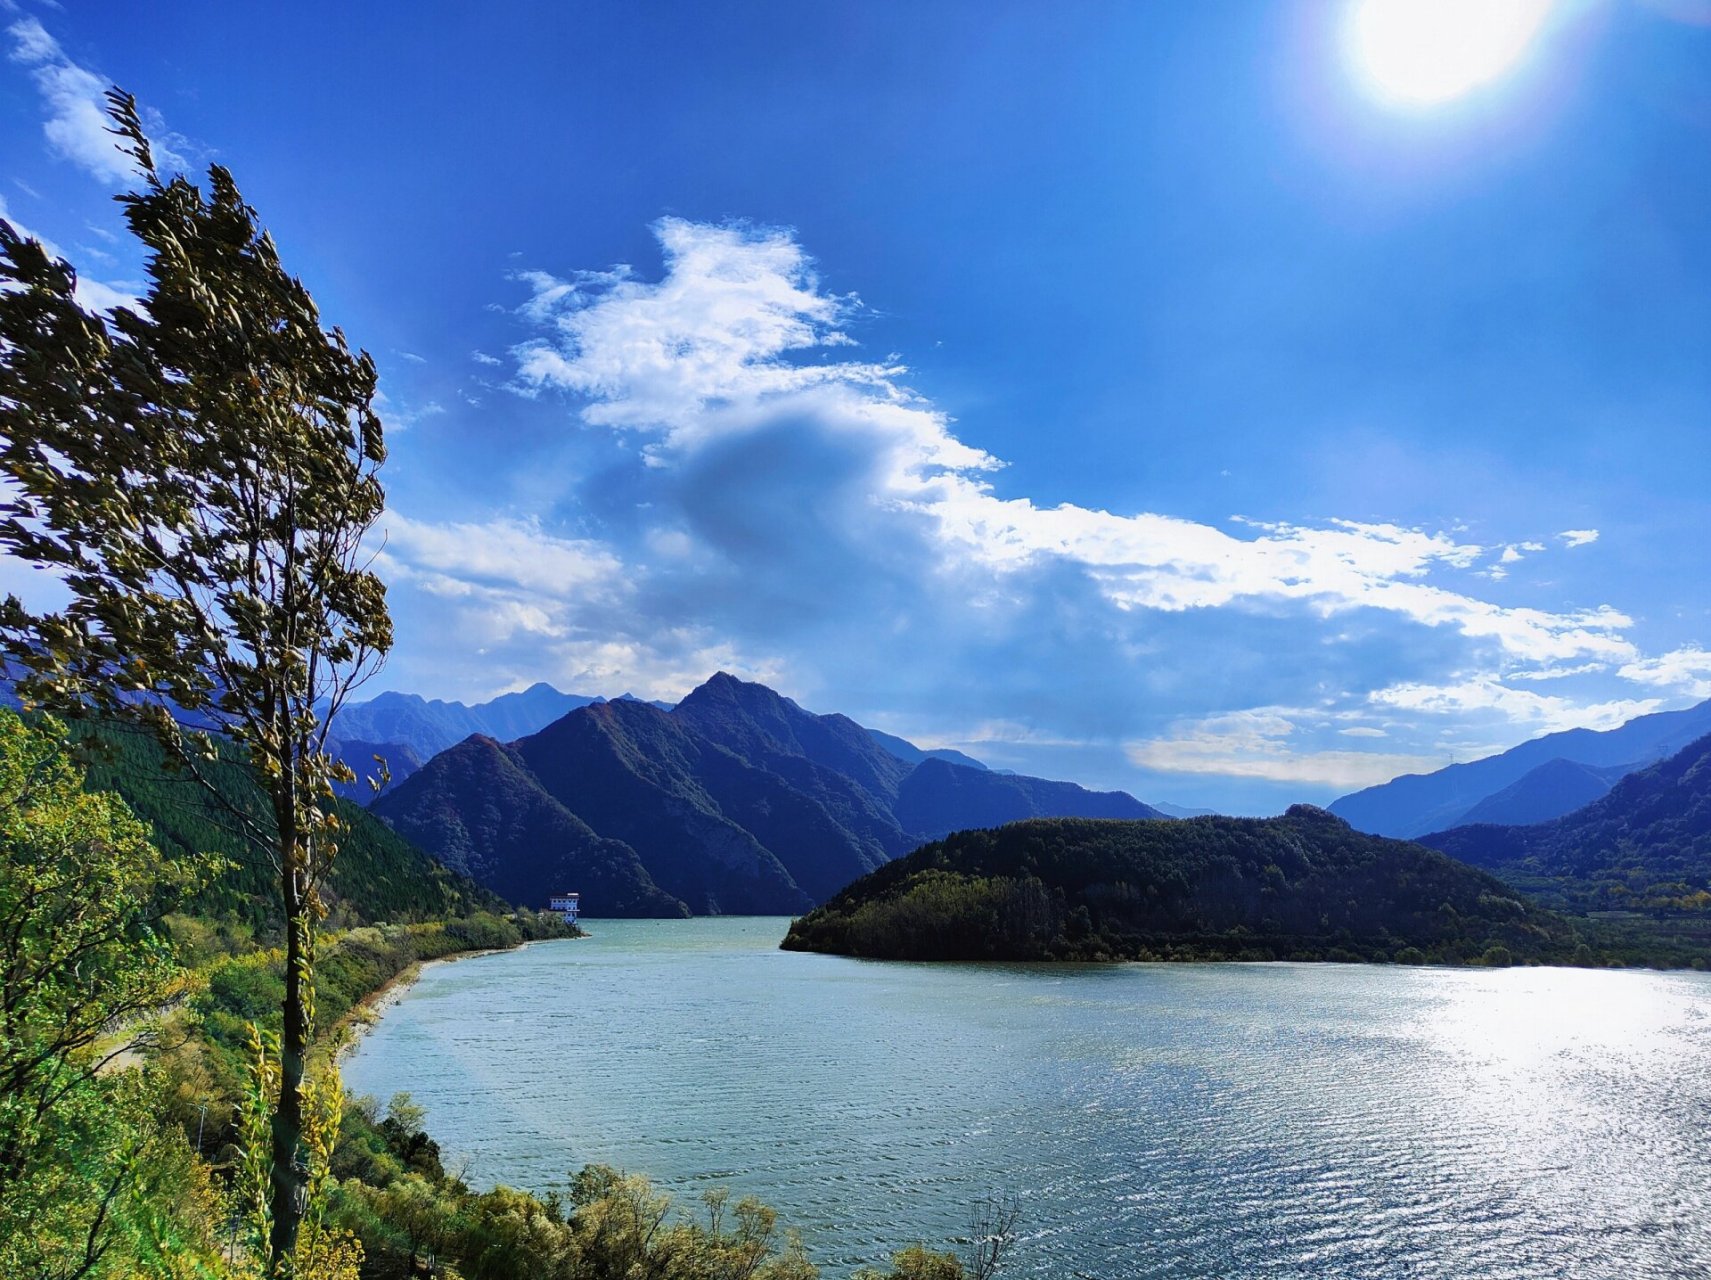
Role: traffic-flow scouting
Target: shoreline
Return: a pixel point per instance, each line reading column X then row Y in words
column 368, row 1011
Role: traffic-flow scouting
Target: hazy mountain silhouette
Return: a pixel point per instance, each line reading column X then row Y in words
column 429, row 727
column 1417, row 803
column 1646, row 844
column 1556, row 787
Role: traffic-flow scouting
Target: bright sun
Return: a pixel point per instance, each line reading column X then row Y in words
column 1423, row 52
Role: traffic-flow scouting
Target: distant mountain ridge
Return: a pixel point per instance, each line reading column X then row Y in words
column 1416, row 804
column 429, row 727
column 1645, row 845
column 1556, row 787
column 1182, row 811
column 908, row 751
column 735, row 801
column 406, row 729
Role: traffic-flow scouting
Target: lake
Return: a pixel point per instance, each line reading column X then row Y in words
column 1222, row 1120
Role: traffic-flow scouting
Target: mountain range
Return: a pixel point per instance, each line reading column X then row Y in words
column 406, row 730
column 1645, row 845
column 1529, row 783
column 734, row 801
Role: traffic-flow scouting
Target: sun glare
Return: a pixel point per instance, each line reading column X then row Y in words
column 1424, row 52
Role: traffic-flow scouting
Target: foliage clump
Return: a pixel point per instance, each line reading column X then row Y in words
column 92, row 1180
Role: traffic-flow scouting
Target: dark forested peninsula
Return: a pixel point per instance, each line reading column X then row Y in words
column 1305, row 886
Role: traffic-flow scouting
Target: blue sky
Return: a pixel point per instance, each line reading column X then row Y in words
column 1140, row 394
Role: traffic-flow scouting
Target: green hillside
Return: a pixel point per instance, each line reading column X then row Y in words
column 1305, row 886
column 378, row 875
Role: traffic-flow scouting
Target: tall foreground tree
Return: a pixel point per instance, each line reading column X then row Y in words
column 201, row 474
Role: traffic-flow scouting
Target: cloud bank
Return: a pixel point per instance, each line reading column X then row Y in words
column 770, row 496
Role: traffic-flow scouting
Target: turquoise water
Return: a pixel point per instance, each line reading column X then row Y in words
column 1155, row 1120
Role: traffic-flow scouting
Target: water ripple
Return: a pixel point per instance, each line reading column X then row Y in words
column 1154, row 1121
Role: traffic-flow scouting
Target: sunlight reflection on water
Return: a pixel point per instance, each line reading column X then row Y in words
column 1183, row 1121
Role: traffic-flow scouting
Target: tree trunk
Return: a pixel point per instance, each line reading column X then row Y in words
column 288, row 1172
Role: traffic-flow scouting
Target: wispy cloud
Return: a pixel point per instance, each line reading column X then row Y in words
column 1578, row 537
column 73, row 99
column 530, row 603
column 1686, row 671
column 76, row 125
column 504, row 555
column 711, row 354
column 1559, row 673
column 401, row 415
column 1262, row 743
column 1540, row 713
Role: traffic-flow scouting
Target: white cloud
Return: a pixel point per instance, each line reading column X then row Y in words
column 481, row 357
column 1559, row 673
column 1540, row 713
column 77, row 123
column 1686, row 671
column 794, row 511
column 713, row 351
column 1578, row 537
column 399, row 416
column 1516, row 551
column 503, row 553
column 1259, row 744
column 32, row 44
column 551, row 607
column 75, row 101
column 96, row 296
